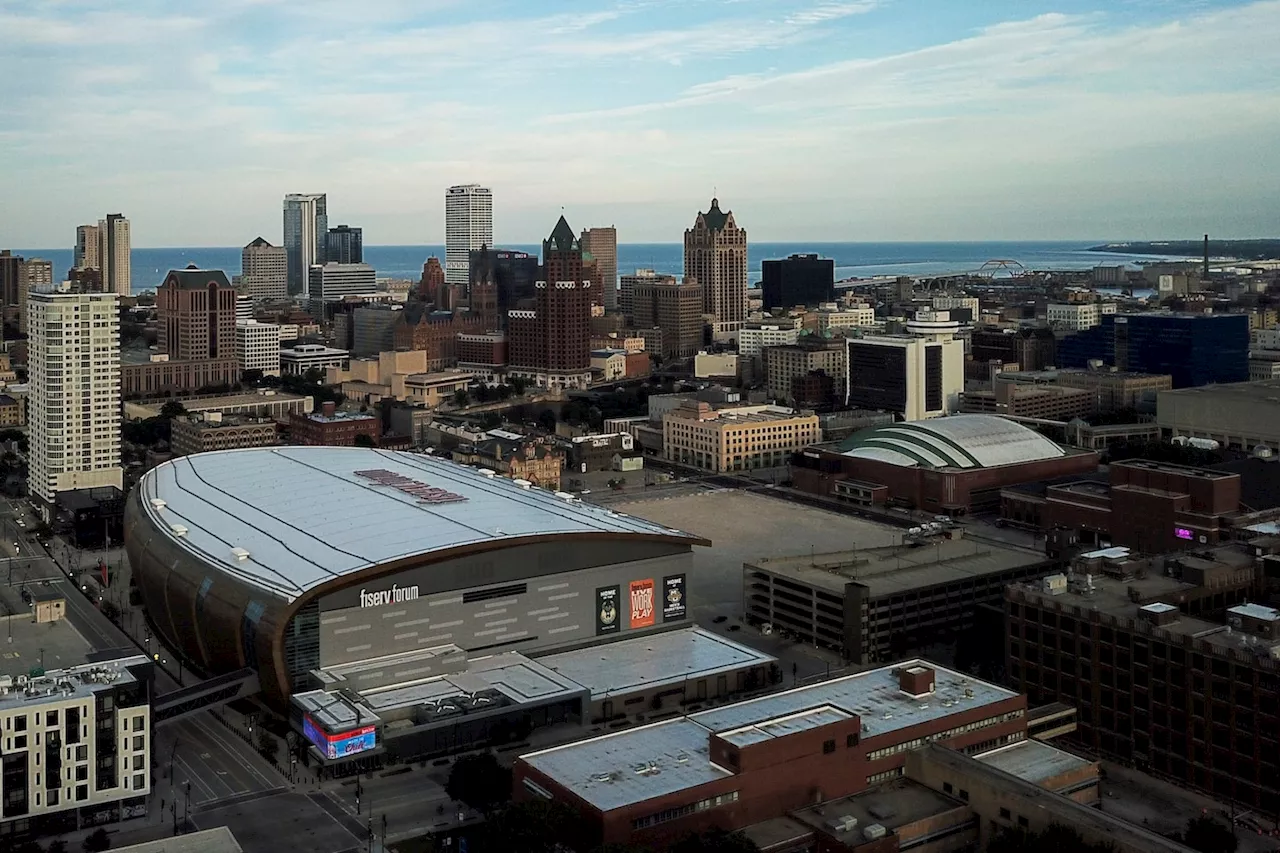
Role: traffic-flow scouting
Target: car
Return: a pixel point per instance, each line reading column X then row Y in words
column 21, row 523
column 735, row 627
column 719, row 619
column 585, row 492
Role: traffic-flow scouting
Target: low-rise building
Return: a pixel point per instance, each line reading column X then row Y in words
column 483, row 354
column 1077, row 316
column 597, row 452
column 332, row 428
column 265, row 403
column 434, row 389
column 156, row 373
column 1110, row 390
column 834, row 319
column 258, row 347
column 12, row 411
column 1239, row 416
column 738, row 439
column 297, row 360
column 755, row 335
column 782, row 364
column 610, row 363
column 537, row 461
column 616, row 340
column 211, row 431
column 1039, row 402
column 707, row 365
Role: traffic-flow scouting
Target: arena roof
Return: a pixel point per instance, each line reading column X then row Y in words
column 288, row 519
column 959, row 441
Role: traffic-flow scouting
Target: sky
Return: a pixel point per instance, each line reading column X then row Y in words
column 819, row 120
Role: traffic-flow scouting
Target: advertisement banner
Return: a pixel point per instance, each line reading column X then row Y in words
column 673, row 602
column 607, row 621
column 643, row 614
column 340, row 745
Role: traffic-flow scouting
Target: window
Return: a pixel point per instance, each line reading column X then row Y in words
column 964, row 795
column 82, row 753
column 137, row 762
column 139, row 723
column 82, row 792
column 851, row 740
column 51, row 718
column 1004, row 813
column 828, row 747
column 1023, row 822
column 139, row 743
column 82, row 773
column 946, row 788
column 20, row 723
column 139, row 781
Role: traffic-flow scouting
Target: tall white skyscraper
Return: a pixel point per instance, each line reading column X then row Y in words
column 74, row 397
column 113, row 254
column 468, row 224
column 306, row 226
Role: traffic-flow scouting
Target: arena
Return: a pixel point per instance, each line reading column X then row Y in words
column 375, row 589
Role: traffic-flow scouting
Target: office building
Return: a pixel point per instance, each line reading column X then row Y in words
column 374, row 329
column 86, row 251
column 953, row 465
column 302, row 358
column 873, row 605
column 196, row 313
column 1029, row 349
column 33, row 274
column 468, row 225
column 331, row 428
column 602, row 244
column 10, row 275
column 626, row 287
column 550, row 345
column 918, row 375
column 332, row 282
column 73, row 402
column 715, row 255
column 757, row 335
column 1040, row 402
column 968, row 307
column 436, row 332
column 738, row 439
column 258, row 347
column 1239, row 416
column 831, row 319
column 78, row 746
column 1161, row 681
column 797, row 280
column 431, row 284
column 306, row 225
column 483, row 354
column 675, row 308
column 1077, row 316
column 1108, row 390
column 244, row 306
column 810, row 354
column 264, row 271
column 114, row 245
column 512, row 276
column 344, row 245
column 1195, row 349
column 214, row 431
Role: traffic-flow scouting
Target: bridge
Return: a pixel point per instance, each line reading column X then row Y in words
column 209, row 693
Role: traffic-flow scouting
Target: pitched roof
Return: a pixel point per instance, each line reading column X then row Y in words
column 562, row 238
column 193, row 277
column 260, row 243
column 715, row 217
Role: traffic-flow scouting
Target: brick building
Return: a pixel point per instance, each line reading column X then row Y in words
column 211, row 431
column 550, row 345
column 1042, row 402
column 537, row 461
column 196, row 334
column 332, row 428
column 435, row 332
column 431, row 285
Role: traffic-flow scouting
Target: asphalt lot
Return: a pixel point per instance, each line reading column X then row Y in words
column 219, row 765
column 284, row 823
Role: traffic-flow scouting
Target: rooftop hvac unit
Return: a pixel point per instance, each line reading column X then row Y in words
column 844, row 823
column 873, row 832
column 179, row 530
column 239, row 554
column 158, row 503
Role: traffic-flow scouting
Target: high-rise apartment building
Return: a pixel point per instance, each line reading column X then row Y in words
column 114, row 242
column 331, row 282
column 798, row 280
column 468, row 225
column 345, row 245
column 74, row 398
column 86, row 254
column 306, row 226
column 675, row 308
column 264, row 271
column 551, row 344
column 715, row 254
column 602, row 244
column 33, row 274
column 918, row 375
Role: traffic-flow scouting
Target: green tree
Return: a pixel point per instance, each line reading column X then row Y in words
column 518, row 385
column 96, row 841
column 460, row 397
column 547, row 420
column 535, row 826
column 363, row 440
column 715, row 841
column 479, row 781
column 267, row 745
column 1209, row 836
column 172, row 409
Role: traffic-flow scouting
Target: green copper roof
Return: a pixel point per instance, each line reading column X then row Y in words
column 562, row 238
column 191, row 277
column 715, row 217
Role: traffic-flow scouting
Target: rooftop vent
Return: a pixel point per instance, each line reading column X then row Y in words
column 179, row 530
column 158, row 503
column 239, row 554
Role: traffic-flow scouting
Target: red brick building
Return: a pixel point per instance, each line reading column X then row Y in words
column 432, row 282
column 436, row 332
column 486, row 348
column 952, row 465
column 550, row 345
column 196, row 312
column 740, row 764
column 332, row 428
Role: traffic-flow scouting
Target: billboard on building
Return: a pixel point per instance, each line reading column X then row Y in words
column 341, row 745
column 673, row 600
column 643, row 612
column 1166, row 284
column 607, row 621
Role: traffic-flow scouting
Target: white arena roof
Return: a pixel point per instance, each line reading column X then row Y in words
column 958, row 441
column 288, row 519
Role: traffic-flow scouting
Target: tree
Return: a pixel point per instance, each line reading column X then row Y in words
column 364, row 440
column 252, row 376
column 460, row 397
column 1209, row 836
column 172, row 409
column 547, row 420
column 518, row 385
column 479, row 781
column 267, row 745
column 535, row 826
column 715, row 841
column 96, row 841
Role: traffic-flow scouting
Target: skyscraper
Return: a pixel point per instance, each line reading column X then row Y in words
column 87, row 248
column 345, row 245
column 602, row 244
column 306, row 226
column 715, row 253
column 798, row 280
column 33, row 274
column 432, row 281
column 264, row 270
column 662, row 302
column 551, row 344
column 74, row 403
column 468, row 224
column 113, row 254
column 512, row 275
column 196, row 314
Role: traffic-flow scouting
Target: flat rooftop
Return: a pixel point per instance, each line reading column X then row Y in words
column 656, row 660
column 1034, row 761
column 58, row 643
column 634, row 765
column 74, row 682
column 894, row 804
column 214, row 404
column 901, row 568
column 239, row 510
column 1261, row 391
column 216, row 840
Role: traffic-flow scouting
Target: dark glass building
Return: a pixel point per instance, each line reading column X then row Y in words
column 344, row 245
column 1195, row 349
column 513, row 275
column 798, row 280
column 1030, row 349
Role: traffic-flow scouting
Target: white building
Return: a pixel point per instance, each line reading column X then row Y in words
column 1078, row 316
column 612, row 363
column 76, row 738
column 264, row 271
column 301, row 358
column 1266, row 339
column 946, row 302
column 258, row 347
column 331, row 282
column 74, row 401
column 855, row 317
column 754, row 336
column 468, row 224
column 114, row 243
column 918, row 375
column 306, row 227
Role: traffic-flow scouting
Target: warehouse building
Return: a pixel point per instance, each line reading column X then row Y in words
column 1239, row 416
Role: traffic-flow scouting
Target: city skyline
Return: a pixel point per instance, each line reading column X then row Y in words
column 829, row 121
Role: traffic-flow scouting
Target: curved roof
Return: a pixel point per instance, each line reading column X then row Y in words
column 287, row 519
column 959, row 441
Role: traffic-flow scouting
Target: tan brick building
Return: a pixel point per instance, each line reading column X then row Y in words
column 200, row 434
column 736, row 439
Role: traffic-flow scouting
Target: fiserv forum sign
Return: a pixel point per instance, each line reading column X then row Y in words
column 424, row 493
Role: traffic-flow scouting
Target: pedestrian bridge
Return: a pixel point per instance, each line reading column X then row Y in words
column 210, row 693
